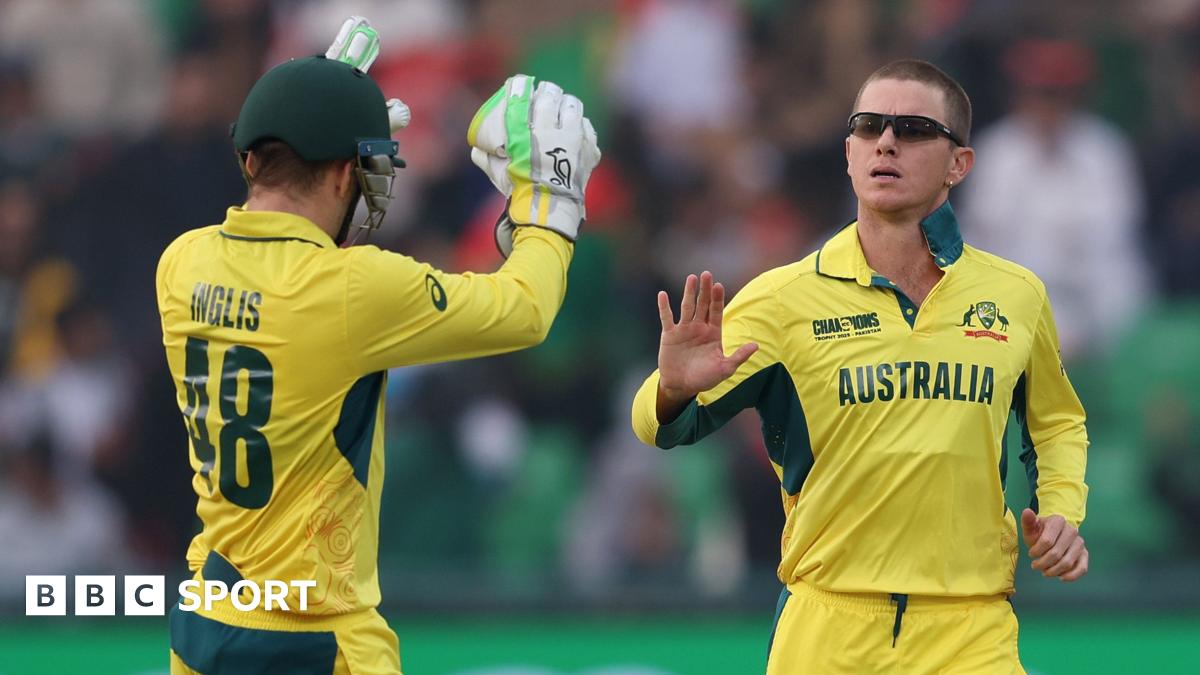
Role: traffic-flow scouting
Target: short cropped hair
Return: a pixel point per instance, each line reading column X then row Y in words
column 958, row 106
column 281, row 167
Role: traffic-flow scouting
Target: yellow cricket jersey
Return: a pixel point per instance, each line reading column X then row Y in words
column 885, row 422
column 279, row 343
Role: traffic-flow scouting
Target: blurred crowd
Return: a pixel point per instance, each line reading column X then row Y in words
column 721, row 123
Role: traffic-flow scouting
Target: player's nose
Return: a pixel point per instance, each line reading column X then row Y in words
column 886, row 143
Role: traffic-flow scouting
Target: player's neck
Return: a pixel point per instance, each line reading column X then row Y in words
column 284, row 202
column 895, row 247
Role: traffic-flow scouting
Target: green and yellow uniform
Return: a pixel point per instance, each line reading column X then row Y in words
column 279, row 343
column 886, row 422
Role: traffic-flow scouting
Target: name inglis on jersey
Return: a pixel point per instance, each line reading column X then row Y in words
column 213, row 304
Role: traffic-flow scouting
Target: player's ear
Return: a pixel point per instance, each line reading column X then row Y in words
column 960, row 164
column 344, row 177
column 847, row 155
column 250, row 164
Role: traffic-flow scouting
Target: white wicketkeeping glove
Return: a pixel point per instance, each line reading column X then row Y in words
column 539, row 151
column 357, row 43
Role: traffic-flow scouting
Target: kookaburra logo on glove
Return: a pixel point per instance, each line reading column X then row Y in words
column 562, row 168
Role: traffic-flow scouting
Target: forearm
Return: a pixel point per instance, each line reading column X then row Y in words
column 401, row 312
column 531, row 285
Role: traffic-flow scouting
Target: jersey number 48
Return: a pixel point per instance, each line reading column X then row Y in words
column 253, row 491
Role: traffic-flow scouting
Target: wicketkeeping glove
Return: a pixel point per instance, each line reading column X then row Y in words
column 357, row 43
column 539, row 151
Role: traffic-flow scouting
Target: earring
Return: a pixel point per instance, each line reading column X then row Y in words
column 949, row 183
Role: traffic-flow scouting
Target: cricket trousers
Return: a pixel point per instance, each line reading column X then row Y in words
column 820, row 632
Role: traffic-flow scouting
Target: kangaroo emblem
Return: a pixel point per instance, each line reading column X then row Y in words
column 562, row 168
column 967, row 317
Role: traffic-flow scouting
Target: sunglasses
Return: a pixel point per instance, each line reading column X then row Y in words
column 908, row 128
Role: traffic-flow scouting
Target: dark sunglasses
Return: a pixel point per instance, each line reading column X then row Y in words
column 909, row 128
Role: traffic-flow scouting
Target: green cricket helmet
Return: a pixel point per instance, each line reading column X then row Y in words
column 325, row 110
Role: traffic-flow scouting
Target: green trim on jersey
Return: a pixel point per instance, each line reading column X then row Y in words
column 784, row 427
column 355, row 428
column 209, row 646
column 327, row 322
column 217, row 568
column 239, row 237
column 903, row 445
column 908, row 308
column 945, row 245
column 1029, row 454
column 942, row 234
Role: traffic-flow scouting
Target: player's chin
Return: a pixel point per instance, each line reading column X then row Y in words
column 887, row 198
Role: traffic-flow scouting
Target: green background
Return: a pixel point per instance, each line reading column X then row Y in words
column 1051, row 644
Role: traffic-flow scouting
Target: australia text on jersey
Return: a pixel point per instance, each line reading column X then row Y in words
column 946, row 381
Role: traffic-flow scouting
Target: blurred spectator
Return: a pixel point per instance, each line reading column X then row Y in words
column 1174, row 225
column 234, row 36
column 651, row 517
column 1056, row 189
column 33, row 287
column 181, row 176
column 98, row 66
column 88, row 394
column 52, row 527
column 29, row 143
column 1174, row 435
column 677, row 72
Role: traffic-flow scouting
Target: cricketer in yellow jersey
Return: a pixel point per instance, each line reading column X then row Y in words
column 884, row 367
column 279, row 340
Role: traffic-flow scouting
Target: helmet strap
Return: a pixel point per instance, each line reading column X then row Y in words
column 344, row 230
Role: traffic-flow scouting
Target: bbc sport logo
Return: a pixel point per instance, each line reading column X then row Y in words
column 145, row 595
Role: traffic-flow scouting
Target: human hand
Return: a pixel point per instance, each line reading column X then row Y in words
column 691, row 358
column 1055, row 546
column 539, row 150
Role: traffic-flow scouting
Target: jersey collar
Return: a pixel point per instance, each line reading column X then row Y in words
column 842, row 257
column 272, row 226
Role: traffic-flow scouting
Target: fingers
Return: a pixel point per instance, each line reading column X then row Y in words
column 1051, row 528
column 547, row 99
column 1068, row 561
column 1057, row 550
column 735, row 360
column 704, row 298
column 664, row 312
column 717, row 308
column 687, row 306
column 1030, row 527
column 1080, row 569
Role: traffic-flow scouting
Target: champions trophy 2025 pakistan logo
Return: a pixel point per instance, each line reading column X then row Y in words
column 988, row 314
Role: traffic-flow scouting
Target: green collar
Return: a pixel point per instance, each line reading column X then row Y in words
column 842, row 257
column 272, row 226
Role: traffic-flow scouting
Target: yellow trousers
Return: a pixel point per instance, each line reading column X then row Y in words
column 829, row 633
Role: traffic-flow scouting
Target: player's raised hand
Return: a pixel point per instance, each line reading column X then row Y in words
column 1055, row 546
column 691, row 357
column 539, row 150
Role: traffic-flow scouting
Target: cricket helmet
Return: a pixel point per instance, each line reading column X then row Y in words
column 325, row 109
